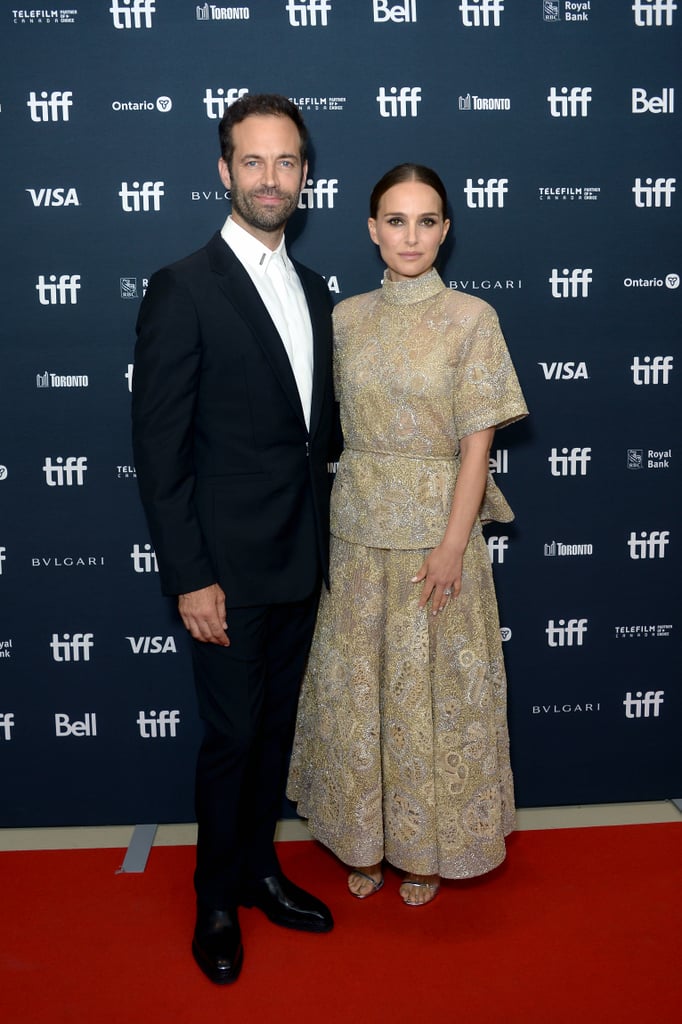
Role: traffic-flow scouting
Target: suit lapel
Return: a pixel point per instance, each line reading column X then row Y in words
column 319, row 318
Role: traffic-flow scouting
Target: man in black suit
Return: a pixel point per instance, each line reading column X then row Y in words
column 232, row 420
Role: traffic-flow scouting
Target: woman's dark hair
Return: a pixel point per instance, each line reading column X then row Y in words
column 259, row 103
column 407, row 172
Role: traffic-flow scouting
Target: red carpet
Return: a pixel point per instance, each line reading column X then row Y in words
column 579, row 925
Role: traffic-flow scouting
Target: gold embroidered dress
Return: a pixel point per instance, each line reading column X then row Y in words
column 401, row 747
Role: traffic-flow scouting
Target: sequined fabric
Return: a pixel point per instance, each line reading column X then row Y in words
column 401, row 747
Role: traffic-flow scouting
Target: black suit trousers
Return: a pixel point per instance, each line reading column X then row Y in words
column 247, row 695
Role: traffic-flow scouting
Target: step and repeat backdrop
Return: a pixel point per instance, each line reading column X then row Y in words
column 555, row 126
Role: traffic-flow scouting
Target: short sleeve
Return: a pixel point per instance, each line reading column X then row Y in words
column 487, row 391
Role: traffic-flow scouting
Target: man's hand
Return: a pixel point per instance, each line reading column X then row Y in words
column 203, row 613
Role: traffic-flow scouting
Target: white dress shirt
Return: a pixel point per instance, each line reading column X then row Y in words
column 278, row 285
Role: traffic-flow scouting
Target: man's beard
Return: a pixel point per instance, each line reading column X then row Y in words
column 263, row 217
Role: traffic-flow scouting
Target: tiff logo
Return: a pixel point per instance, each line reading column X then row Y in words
column 318, row 194
column 570, row 284
column 404, row 11
column 132, row 13
column 129, row 376
column 642, row 705
column 304, row 12
column 142, row 198
column 573, row 463
column 488, row 192
column 399, row 104
column 648, row 545
column 647, row 372
column 478, row 13
column 569, row 104
column 655, row 13
column 65, row 472
column 6, row 724
column 217, row 104
column 497, row 547
column 158, row 725
column 58, row 292
column 654, row 193
column 3, row 557
column 70, row 648
column 144, row 560
column 52, row 106
column 565, row 634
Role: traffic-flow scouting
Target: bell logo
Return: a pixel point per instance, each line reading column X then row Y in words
column 663, row 104
column 6, row 725
column 318, row 194
column 566, row 633
column 569, row 104
column 399, row 104
column 70, row 648
column 60, row 291
column 132, row 13
column 651, row 371
column 303, row 13
column 487, row 193
column 653, row 13
column 142, row 198
column 573, row 463
column 481, row 13
column 383, row 10
column 648, row 545
column 499, row 461
column 67, row 472
column 217, row 104
column 497, row 547
column 654, row 193
column 63, row 726
column 152, row 644
column 53, row 106
column 570, row 284
column 144, row 560
column 158, row 725
column 647, row 705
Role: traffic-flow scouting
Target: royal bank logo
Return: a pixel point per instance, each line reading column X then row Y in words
column 58, row 291
column 569, row 193
column 53, row 196
column 644, row 104
column 317, row 103
column 130, row 14
column 670, row 281
column 45, row 16
column 62, row 380
column 648, row 544
column 644, row 631
column 487, row 193
column 72, row 648
column 128, row 287
column 65, row 472
column 399, row 102
column 643, row 705
column 141, row 198
column 568, row 10
column 654, row 192
column 566, row 632
column 6, row 648
column 565, row 371
column 86, row 726
column 496, row 548
column 571, row 462
column 474, row 102
column 52, row 106
column 654, row 13
column 217, row 102
column 210, row 12
column 308, row 13
column 6, row 725
column 385, row 10
column 569, row 102
column 636, row 458
column 570, row 284
column 559, row 549
column 499, row 461
column 651, row 370
column 162, row 104
column 158, row 725
column 481, row 13
column 144, row 559
column 318, row 194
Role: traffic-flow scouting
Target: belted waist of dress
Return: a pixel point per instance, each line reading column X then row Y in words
column 402, row 455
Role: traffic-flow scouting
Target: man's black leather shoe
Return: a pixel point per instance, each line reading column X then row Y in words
column 217, row 944
column 287, row 905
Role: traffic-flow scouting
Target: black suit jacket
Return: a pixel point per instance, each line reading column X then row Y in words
column 235, row 487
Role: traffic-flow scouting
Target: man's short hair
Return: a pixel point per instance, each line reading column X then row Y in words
column 259, row 104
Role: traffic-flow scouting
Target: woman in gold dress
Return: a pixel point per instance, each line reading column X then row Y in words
column 401, row 751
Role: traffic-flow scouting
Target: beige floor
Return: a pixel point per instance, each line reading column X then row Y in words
column 586, row 816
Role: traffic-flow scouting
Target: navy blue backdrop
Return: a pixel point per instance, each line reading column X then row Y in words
column 555, row 127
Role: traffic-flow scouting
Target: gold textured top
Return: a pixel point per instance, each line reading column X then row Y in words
column 417, row 367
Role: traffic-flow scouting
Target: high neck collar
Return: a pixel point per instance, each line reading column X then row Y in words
column 401, row 293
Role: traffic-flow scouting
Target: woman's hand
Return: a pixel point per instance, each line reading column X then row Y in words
column 441, row 572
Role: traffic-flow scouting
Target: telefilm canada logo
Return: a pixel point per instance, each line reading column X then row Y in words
column 644, row 631
column 566, row 10
column 126, row 472
column 319, row 103
column 569, row 193
column 45, row 16
column 649, row 458
column 211, row 12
